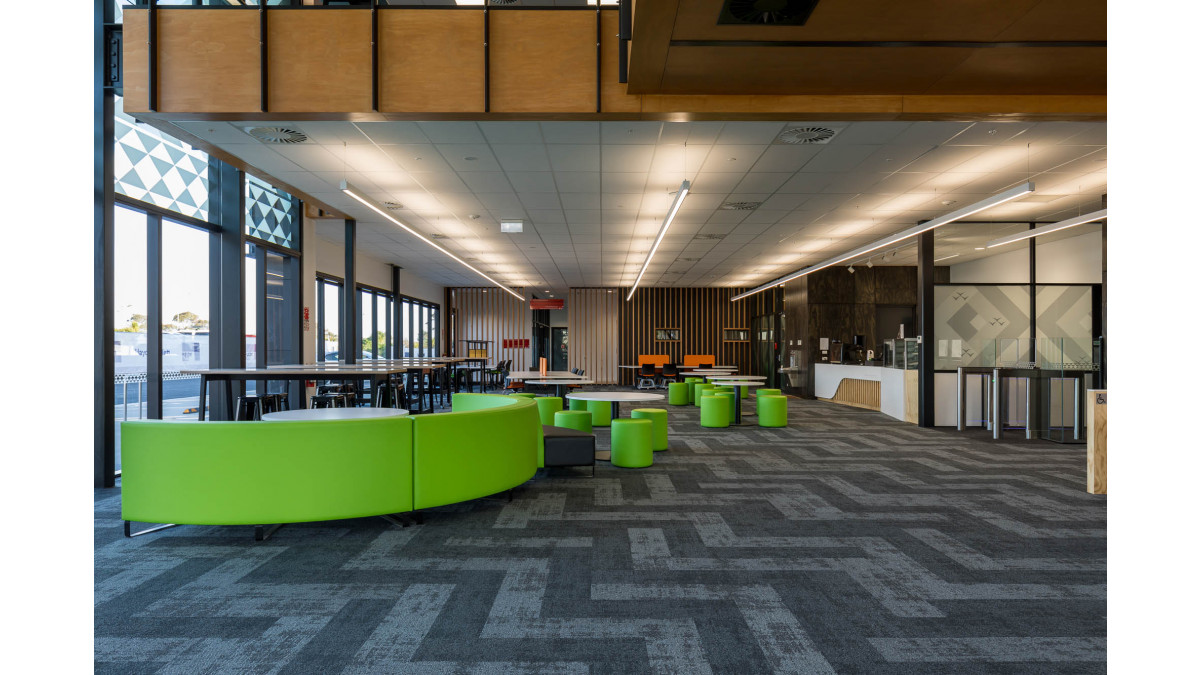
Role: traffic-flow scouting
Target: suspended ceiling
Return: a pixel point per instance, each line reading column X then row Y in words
column 593, row 195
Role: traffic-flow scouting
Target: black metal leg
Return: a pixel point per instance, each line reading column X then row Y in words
column 228, row 398
column 263, row 534
column 396, row 519
column 148, row 530
column 203, row 395
column 737, row 405
column 616, row 410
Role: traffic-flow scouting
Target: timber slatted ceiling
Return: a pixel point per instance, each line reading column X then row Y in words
column 700, row 314
column 593, row 317
column 492, row 314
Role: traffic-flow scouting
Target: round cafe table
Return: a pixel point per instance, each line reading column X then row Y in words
column 614, row 397
column 738, row 384
column 311, row 414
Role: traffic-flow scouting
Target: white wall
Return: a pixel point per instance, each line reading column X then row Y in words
column 1076, row 260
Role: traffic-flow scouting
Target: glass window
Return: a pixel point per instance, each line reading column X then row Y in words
column 130, row 317
column 406, row 328
column 271, row 213
column 283, row 312
column 185, row 316
column 151, row 166
column 382, row 329
column 329, row 303
column 250, row 286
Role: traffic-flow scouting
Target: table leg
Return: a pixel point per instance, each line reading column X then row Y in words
column 229, row 398
column 616, row 410
column 203, row 395
column 737, row 404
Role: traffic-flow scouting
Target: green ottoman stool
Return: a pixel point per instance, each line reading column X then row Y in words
column 772, row 411
column 658, row 417
column 702, row 390
column 732, row 401
column 714, row 412
column 767, row 392
column 579, row 420
column 677, row 393
column 576, row 404
column 631, row 443
column 691, row 383
column 601, row 413
column 547, row 406
column 524, row 394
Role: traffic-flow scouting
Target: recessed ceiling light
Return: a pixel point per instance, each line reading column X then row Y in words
column 512, row 226
column 948, row 202
column 980, row 248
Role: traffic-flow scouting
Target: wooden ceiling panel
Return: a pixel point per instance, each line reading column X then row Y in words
column 1045, row 70
column 786, row 70
column 868, row 20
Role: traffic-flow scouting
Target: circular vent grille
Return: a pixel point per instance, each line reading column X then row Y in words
column 281, row 135
column 770, row 11
column 801, row 135
column 741, row 206
column 502, row 2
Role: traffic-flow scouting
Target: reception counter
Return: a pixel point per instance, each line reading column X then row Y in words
column 889, row 390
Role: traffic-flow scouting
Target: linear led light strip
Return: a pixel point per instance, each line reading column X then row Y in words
column 1052, row 227
column 995, row 200
column 683, row 190
column 370, row 204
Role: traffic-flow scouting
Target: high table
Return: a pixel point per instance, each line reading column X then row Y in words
column 326, row 414
column 292, row 373
column 737, row 401
column 534, row 375
column 614, row 397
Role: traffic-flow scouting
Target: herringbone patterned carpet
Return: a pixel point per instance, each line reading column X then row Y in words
column 847, row 542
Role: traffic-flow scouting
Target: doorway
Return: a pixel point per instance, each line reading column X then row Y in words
column 766, row 333
column 558, row 348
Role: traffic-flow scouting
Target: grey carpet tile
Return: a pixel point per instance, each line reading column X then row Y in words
column 845, row 543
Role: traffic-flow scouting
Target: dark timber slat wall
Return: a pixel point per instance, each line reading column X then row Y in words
column 593, row 317
column 700, row 314
column 492, row 314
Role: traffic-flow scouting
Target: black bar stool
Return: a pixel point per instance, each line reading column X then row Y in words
column 248, row 408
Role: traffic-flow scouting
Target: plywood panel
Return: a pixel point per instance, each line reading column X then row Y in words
column 1041, row 70
column 135, row 60
column 319, row 61
column 1097, row 442
column 911, row 396
column 543, row 61
column 592, row 319
column 857, row 393
column 492, row 314
column 208, row 60
column 431, row 61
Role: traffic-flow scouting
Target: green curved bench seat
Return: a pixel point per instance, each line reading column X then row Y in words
column 242, row 473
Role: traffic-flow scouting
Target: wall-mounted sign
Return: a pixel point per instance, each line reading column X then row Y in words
column 549, row 303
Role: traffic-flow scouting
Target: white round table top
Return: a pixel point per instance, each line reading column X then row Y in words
column 742, row 383
column 708, row 371
column 615, row 396
column 311, row 414
column 639, row 367
column 737, row 377
column 558, row 381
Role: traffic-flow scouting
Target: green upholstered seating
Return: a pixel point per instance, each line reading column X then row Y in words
column 702, row 390
column 547, row 406
column 677, row 393
column 772, row 411
column 691, row 383
column 714, row 412
column 237, row 473
column 576, row 404
column 658, row 417
column 601, row 413
column 731, row 400
column 632, row 443
column 524, row 394
column 580, row 420
column 767, row 392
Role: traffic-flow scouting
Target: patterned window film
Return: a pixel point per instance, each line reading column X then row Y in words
column 153, row 167
column 969, row 322
column 271, row 213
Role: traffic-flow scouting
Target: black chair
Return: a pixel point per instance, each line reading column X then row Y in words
column 705, row 365
column 579, row 372
column 248, row 408
column 646, row 376
column 669, row 372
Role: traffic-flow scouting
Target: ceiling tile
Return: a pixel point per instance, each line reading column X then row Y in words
column 571, row 132
column 452, row 132
column 486, row 181
column 393, row 133
column 568, row 157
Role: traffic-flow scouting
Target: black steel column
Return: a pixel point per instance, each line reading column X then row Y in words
column 154, row 316
column 1032, row 293
column 925, row 393
column 227, row 297
column 397, row 321
column 349, row 341
column 104, row 394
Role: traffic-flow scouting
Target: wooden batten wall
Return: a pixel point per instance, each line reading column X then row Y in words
column 700, row 314
column 593, row 318
column 492, row 314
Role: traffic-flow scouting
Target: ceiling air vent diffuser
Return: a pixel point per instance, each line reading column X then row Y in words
column 766, row 12
column 393, row 206
column 710, row 236
column 277, row 135
column 741, row 206
column 805, row 135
